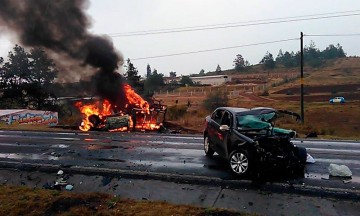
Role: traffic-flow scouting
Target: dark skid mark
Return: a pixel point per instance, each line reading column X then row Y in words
column 108, row 159
column 102, row 140
column 100, row 147
column 215, row 167
column 106, row 180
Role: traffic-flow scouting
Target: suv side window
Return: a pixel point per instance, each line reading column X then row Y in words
column 226, row 119
column 216, row 116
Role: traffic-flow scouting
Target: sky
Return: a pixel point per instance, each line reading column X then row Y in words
column 118, row 17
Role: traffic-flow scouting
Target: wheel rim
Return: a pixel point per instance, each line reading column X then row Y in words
column 206, row 144
column 239, row 163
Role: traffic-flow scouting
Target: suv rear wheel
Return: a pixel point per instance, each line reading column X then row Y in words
column 240, row 162
column 207, row 148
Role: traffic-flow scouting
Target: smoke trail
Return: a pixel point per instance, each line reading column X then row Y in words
column 61, row 26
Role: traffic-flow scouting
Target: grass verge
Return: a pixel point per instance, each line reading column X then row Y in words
column 21, row 200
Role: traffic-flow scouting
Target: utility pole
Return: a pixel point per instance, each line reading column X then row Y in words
column 302, row 75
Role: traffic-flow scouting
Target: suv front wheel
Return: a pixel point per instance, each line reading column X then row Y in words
column 240, row 162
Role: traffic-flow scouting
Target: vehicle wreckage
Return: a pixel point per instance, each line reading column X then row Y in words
column 135, row 115
column 250, row 142
column 135, row 119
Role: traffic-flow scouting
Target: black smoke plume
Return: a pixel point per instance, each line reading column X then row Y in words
column 61, row 26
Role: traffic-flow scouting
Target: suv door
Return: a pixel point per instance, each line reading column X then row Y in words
column 223, row 134
column 213, row 128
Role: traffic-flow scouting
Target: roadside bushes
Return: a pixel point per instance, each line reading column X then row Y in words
column 176, row 112
column 214, row 100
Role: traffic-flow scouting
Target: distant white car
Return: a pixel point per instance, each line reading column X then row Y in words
column 337, row 100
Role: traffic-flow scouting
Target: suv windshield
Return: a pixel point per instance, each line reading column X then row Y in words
column 261, row 121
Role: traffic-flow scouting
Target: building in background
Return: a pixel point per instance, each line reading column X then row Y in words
column 212, row 80
column 215, row 80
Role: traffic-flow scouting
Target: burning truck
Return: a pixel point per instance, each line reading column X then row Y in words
column 136, row 114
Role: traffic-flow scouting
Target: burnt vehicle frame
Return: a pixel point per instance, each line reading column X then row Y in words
column 131, row 119
column 250, row 143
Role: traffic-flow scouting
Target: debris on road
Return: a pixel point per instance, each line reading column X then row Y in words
column 69, row 187
column 309, row 159
column 325, row 177
column 60, row 172
column 346, row 181
column 339, row 170
column 61, row 181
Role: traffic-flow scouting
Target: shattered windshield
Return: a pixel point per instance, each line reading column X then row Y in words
column 261, row 121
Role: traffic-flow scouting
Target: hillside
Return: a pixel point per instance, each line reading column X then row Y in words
column 340, row 77
column 280, row 89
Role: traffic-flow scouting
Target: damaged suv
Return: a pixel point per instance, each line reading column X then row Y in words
column 249, row 141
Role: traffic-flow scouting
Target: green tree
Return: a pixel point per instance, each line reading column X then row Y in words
column 214, row 100
column 202, row 72
column 15, row 77
column 287, row 59
column 218, row 69
column 186, row 81
column 172, row 74
column 240, row 63
column 132, row 76
column 148, row 70
column 43, row 73
column 312, row 55
column 26, row 79
column 268, row 61
column 332, row 52
column 153, row 83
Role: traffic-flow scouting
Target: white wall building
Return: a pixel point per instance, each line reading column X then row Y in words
column 212, row 80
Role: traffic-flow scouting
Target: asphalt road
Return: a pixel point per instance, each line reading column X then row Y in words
column 166, row 154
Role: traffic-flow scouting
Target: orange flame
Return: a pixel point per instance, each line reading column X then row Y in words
column 144, row 119
column 93, row 109
column 135, row 99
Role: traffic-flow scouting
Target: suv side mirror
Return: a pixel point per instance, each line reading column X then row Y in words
column 224, row 128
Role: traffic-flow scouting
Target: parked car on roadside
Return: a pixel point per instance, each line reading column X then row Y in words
column 337, row 100
column 249, row 142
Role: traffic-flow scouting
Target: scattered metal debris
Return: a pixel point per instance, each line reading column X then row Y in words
column 69, row 187
column 309, row 159
column 346, row 181
column 60, row 172
column 325, row 177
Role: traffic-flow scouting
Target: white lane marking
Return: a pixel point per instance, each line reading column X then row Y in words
column 180, row 137
column 35, row 145
column 337, row 161
column 20, row 156
column 355, row 152
column 41, row 137
column 21, row 145
column 171, row 143
column 40, row 132
column 332, row 143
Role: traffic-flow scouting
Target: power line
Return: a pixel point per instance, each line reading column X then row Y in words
column 166, row 31
column 215, row 49
column 332, row 35
column 232, row 23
